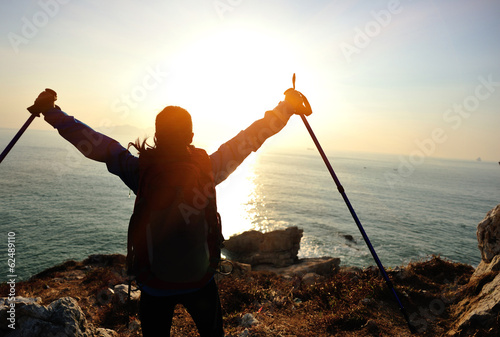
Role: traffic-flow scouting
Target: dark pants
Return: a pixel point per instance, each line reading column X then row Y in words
column 203, row 305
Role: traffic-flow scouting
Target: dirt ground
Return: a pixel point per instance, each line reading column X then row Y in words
column 347, row 303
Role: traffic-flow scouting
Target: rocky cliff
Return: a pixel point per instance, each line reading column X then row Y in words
column 479, row 307
column 287, row 297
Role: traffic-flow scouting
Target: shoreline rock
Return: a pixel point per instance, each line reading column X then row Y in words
column 488, row 235
column 277, row 252
column 278, row 248
column 62, row 317
column 480, row 308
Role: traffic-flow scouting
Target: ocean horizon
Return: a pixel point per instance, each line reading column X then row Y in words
column 63, row 206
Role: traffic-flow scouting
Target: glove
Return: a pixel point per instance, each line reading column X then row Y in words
column 298, row 101
column 44, row 102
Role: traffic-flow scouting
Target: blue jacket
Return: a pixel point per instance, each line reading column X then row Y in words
column 121, row 162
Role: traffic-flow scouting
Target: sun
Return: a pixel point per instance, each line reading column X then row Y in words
column 228, row 78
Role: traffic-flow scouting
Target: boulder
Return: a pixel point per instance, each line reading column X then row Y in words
column 488, row 235
column 63, row 318
column 277, row 248
column 9, row 315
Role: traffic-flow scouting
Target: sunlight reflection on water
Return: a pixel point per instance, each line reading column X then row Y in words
column 236, row 199
column 241, row 201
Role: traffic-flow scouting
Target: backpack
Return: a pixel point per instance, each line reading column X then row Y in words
column 174, row 235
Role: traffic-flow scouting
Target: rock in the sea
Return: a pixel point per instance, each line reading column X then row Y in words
column 278, row 248
column 63, row 318
column 488, row 234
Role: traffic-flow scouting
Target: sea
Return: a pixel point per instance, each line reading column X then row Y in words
column 56, row 205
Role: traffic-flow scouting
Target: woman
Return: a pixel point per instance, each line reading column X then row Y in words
column 156, row 171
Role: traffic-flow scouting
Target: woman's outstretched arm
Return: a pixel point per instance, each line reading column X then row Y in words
column 96, row 146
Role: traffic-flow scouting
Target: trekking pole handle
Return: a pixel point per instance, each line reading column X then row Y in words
column 298, row 100
column 32, row 109
column 34, row 113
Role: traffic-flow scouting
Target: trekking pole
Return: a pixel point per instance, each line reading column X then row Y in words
column 23, row 128
column 353, row 213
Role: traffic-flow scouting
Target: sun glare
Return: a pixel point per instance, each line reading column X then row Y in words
column 229, row 79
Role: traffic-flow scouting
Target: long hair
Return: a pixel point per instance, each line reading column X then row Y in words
column 141, row 146
column 174, row 131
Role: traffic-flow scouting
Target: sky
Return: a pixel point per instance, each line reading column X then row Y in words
column 417, row 78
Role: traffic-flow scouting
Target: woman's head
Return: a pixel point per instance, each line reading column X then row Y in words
column 174, row 127
column 174, row 132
